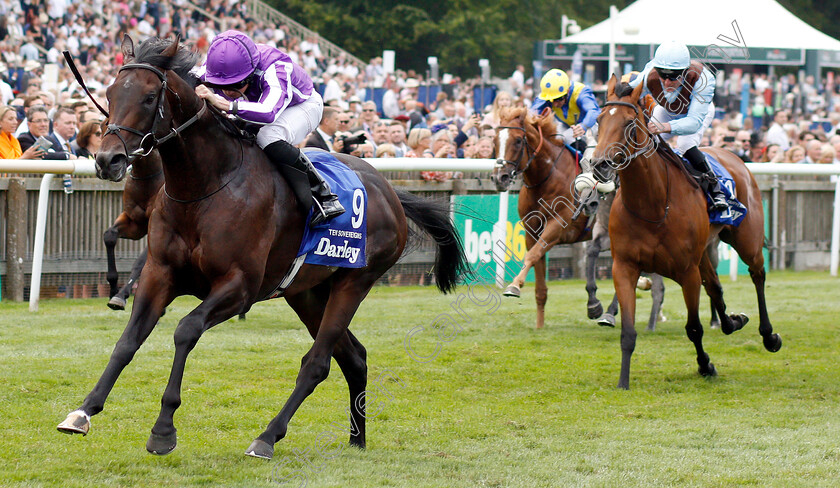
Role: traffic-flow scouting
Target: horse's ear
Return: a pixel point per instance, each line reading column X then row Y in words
column 172, row 49
column 127, row 47
column 545, row 112
column 611, row 86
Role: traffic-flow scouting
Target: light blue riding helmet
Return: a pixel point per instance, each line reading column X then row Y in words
column 672, row 55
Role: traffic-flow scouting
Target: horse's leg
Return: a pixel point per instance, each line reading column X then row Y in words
column 152, row 298
column 223, row 302
column 600, row 240
column 594, row 309
column 344, row 300
column 711, row 282
column 693, row 327
column 712, row 251
column 625, row 276
column 540, row 290
column 349, row 353
column 538, row 249
column 657, row 295
column 772, row 342
column 110, row 238
column 118, row 301
column 753, row 256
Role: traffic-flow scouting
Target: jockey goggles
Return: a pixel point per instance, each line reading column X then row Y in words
column 234, row 86
column 670, row 74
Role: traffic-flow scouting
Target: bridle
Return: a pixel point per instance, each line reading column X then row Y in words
column 647, row 147
column 149, row 140
column 530, row 152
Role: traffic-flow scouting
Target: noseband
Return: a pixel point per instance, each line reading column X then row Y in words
column 651, row 143
column 532, row 153
column 651, row 140
column 148, row 140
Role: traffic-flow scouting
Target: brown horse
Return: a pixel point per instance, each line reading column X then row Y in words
column 659, row 223
column 141, row 189
column 228, row 230
column 528, row 144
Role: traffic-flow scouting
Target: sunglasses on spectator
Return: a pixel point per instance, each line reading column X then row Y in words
column 368, row 110
column 670, row 74
column 344, row 121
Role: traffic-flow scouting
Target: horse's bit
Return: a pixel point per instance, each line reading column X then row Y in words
column 149, row 140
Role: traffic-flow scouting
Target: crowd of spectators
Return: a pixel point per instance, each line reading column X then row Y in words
column 787, row 120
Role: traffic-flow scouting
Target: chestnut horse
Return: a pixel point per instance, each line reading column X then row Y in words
column 528, row 144
column 227, row 229
column 141, row 189
column 659, row 223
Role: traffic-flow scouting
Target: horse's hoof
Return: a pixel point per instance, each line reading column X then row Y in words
column 260, row 449
column 661, row 318
column 607, row 320
column 162, row 444
column 714, row 324
column 512, row 291
column 116, row 303
column 709, row 371
column 644, row 283
column 773, row 342
column 77, row 422
column 594, row 311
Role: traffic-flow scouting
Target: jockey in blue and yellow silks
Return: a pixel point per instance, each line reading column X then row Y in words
column 573, row 104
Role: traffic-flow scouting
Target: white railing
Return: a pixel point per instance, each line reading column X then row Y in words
column 49, row 168
column 86, row 167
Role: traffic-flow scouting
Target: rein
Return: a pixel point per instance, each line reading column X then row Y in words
column 144, row 149
column 651, row 144
column 149, row 140
column 532, row 155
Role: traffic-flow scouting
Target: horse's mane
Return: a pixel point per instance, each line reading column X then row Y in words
column 547, row 125
column 623, row 89
column 182, row 63
column 184, row 60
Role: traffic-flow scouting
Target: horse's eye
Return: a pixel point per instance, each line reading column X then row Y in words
column 149, row 99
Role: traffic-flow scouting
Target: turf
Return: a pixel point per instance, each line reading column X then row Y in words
column 500, row 404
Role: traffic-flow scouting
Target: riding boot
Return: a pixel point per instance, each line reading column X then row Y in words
column 308, row 186
column 700, row 163
column 326, row 202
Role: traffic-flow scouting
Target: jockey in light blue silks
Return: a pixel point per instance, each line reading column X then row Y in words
column 683, row 91
column 262, row 85
column 574, row 105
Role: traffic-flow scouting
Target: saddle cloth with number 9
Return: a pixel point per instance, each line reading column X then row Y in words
column 339, row 241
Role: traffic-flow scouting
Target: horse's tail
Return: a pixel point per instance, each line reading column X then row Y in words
column 433, row 218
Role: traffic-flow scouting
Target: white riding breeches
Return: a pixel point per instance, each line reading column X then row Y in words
column 293, row 124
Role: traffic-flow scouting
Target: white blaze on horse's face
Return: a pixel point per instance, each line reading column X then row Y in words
column 503, row 138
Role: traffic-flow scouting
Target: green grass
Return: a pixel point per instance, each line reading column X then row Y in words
column 501, row 405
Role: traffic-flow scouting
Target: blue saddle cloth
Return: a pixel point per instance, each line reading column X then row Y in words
column 339, row 241
column 737, row 211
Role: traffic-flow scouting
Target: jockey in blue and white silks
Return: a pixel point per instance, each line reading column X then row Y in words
column 574, row 105
column 683, row 90
column 262, row 85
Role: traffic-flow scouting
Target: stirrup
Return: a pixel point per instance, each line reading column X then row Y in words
column 323, row 211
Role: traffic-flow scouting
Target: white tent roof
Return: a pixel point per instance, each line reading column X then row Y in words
column 762, row 23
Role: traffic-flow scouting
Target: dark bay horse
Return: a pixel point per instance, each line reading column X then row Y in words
column 659, row 223
column 228, row 230
column 528, row 144
column 141, row 189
